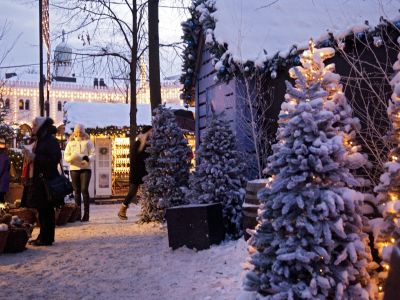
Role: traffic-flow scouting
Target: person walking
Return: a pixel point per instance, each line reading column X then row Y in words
column 79, row 153
column 42, row 158
column 4, row 170
column 139, row 170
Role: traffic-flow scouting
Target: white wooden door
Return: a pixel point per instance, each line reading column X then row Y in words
column 103, row 167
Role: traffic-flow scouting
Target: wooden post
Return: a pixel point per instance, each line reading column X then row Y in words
column 392, row 285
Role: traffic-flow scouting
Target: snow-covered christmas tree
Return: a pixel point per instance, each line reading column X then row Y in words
column 167, row 167
column 219, row 176
column 387, row 229
column 6, row 130
column 309, row 242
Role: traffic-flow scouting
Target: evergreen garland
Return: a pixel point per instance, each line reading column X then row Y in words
column 202, row 21
column 191, row 30
column 167, row 166
column 219, row 176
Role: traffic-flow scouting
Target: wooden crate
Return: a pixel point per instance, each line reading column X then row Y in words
column 195, row 226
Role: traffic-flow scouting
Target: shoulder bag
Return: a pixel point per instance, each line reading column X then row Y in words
column 57, row 188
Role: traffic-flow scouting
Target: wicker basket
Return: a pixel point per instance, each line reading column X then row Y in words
column 64, row 215
column 75, row 213
column 16, row 240
column 3, row 240
column 28, row 215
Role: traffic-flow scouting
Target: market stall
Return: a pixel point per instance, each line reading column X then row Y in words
column 108, row 127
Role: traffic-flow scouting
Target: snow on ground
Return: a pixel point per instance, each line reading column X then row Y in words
column 112, row 259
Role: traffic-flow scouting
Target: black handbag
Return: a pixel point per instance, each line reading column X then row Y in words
column 57, row 188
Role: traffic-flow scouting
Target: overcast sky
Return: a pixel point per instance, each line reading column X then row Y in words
column 21, row 17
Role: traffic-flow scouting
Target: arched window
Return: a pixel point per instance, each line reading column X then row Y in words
column 27, row 104
column 59, row 106
column 7, row 103
column 21, row 104
column 1, row 103
column 25, row 130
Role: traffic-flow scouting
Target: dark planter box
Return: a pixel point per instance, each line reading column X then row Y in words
column 195, row 226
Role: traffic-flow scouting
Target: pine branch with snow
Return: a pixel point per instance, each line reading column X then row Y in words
column 309, row 242
column 167, row 166
column 6, row 130
column 219, row 176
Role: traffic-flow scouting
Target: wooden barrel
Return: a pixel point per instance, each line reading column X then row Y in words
column 251, row 204
column 392, row 286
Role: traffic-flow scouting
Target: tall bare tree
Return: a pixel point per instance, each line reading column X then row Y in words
column 114, row 30
column 154, row 55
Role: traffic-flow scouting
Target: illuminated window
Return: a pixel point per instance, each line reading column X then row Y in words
column 1, row 103
column 25, row 130
column 59, row 106
column 27, row 104
column 21, row 104
column 7, row 103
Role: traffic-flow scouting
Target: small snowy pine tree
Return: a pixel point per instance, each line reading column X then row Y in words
column 387, row 229
column 6, row 130
column 219, row 176
column 167, row 167
column 309, row 243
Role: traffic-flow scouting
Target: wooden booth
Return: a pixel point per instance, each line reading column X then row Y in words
column 108, row 127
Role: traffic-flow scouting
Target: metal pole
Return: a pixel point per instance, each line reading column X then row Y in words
column 41, row 79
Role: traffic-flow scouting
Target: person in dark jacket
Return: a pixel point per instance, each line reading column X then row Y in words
column 139, row 170
column 4, row 170
column 45, row 155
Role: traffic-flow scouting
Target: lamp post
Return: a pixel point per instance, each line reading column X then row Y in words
column 41, row 75
column 44, row 35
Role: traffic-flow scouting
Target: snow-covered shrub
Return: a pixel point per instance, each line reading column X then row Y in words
column 219, row 176
column 167, row 166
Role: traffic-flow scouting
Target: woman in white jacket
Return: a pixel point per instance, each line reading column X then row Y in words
column 79, row 153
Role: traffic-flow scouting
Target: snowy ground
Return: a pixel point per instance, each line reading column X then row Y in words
column 112, row 259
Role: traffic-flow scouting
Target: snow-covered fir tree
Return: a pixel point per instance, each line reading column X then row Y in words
column 6, row 130
column 309, row 242
column 387, row 229
column 219, row 177
column 168, row 167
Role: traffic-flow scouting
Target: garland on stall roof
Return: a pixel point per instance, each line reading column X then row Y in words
column 113, row 131
column 191, row 31
column 202, row 20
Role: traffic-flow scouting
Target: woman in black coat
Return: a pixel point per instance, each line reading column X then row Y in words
column 45, row 155
column 139, row 170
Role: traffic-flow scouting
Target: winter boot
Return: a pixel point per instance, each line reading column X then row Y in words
column 85, row 217
column 79, row 214
column 122, row 212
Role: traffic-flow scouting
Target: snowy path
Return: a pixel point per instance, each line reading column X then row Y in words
column 112, row 259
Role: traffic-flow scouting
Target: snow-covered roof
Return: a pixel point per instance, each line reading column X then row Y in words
column 102, row 115
column 251, row 26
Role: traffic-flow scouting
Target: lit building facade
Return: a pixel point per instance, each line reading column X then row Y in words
column 20, row 94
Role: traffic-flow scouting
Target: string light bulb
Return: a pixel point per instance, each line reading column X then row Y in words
column 387, row 267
